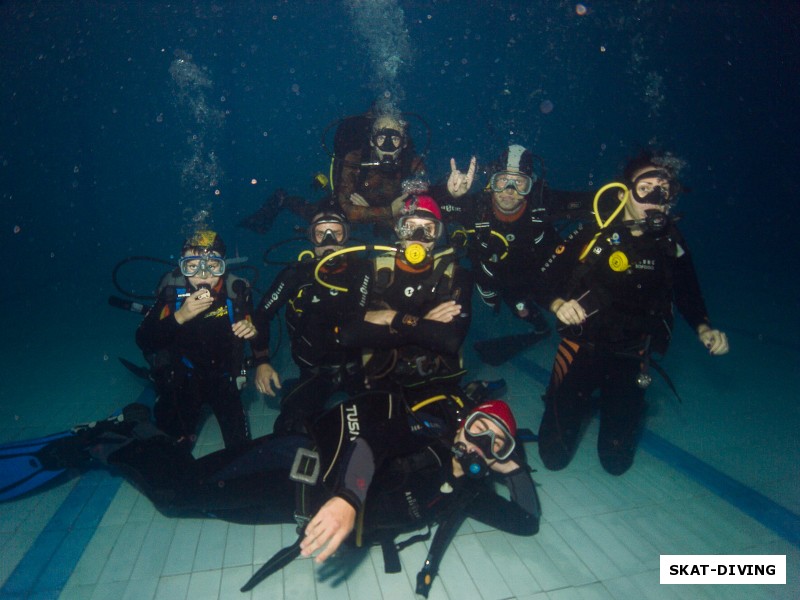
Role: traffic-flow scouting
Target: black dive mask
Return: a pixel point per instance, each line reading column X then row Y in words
column 328, row 239
column 657, row 195
column 388, row 144
column 474, row 464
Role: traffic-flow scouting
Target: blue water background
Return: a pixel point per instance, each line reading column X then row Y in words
column 95, row 133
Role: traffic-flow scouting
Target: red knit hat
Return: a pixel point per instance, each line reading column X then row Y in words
column 500, row 411
column 419, row 205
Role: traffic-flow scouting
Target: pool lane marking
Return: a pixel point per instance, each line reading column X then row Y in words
column 50, row 561
column 753, row 503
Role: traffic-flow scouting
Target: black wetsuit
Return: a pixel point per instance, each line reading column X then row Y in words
column 313, row 313
column 628, row 286
column 198, row 362
column 373, row 453
column 417, row 355
column 506, row 251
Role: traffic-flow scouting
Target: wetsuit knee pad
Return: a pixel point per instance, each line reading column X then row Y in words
column 617, row 449
column 554, row 451
column 616, row 461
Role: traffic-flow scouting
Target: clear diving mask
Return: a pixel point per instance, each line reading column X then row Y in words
column 477, row 432
column 202, row 266
column 413, row 228
column 503, row 180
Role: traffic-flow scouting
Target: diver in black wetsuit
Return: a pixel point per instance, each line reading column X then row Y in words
column 509, row 230
column 418, row 311
column 615, row 304
column 313, row 313
column 394, row 470
column 194, row 339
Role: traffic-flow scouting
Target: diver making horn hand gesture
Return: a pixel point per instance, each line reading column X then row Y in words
column 508, row 230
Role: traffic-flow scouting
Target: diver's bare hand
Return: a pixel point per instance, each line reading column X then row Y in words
column 508, row 466
column 358, row 200
column 197, row 302
column 571, row 313
column 445, row 312
column 328, row 528
column 459, row 183
column 380, row 317
column 266, row 377
column 715, row 340
column 398, row 204
column 244, row 329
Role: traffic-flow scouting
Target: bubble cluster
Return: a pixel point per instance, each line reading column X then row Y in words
column 381, row 23
column 201, row 171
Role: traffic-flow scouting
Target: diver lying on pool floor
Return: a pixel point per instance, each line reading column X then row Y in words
column 371, row 467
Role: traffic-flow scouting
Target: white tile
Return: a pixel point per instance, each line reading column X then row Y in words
column 592, row 591
column 154, row 550
column 183, row 547
column 204, row 585
column 172, row 587
column 551, row 561
column 211, row 545
column 122, row 558
column 298, row 579
column 500, row 549
column 239, row 545
column 141, row 588
column 233, row 578
column 592, row 552
column 110, row 590
column 488, row 579
column 93, row 561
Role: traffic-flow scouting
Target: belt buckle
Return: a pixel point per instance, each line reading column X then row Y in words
column 305, row 468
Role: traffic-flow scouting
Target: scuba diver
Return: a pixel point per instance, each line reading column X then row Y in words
column 395, row 472
column 313, row 312
column 418, row 312
column 372, row 155
column 194, row 337
column 509, row 229
column 614, row 304
column 368, row 186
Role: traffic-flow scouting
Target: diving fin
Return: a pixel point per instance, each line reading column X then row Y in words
column 261, row 220
column 141, row 372
column 482, row 390
column 27, row 465
column 496, row 351
column 282, row 558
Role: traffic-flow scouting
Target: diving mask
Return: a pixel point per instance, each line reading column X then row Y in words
column 202, row 266
column 649, row 192
column 388, row 143
column 388, row 139
column 503, row 180
column 414, row 228
column 477, row 432
column 330, row 233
